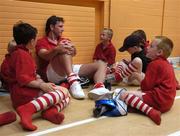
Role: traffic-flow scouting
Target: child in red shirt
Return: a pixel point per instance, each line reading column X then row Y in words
column 4, row 66
column 159, row 85
column 29, row 93
column 105, row 51
column 10, row 116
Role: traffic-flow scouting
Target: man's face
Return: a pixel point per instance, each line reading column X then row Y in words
column 58, row 29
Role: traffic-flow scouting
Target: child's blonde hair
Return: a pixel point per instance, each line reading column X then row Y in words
column 165, row 44
column 109, row 32
column 11, row 46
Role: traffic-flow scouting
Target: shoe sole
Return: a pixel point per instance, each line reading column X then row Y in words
column 95, row 96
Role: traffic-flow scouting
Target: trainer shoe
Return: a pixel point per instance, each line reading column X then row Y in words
column 76, row 90
column 118, row 92
column 98, row 93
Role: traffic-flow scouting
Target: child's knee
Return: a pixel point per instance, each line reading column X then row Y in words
column 137, row 62
column 64, row 90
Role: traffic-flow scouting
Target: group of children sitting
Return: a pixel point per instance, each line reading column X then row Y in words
column 34, row 89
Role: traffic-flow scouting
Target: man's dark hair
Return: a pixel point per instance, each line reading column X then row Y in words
column 52, row 21
column 24, row 32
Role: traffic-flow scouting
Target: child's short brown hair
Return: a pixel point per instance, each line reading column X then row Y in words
column 109, row 32
column 165, row 44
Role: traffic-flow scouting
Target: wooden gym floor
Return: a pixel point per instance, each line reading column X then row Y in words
column 79, row 121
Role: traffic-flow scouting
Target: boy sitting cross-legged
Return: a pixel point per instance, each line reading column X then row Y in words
column 29, row 93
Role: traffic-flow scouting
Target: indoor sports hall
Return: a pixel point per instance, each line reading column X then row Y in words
column 84, row 20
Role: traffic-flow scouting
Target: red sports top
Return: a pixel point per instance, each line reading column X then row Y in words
column 44, row 43
column 159, row 85
column 22, row 70
column 108, row 54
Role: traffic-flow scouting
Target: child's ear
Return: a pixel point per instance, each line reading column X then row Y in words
column 33, row 42
column 160, row 52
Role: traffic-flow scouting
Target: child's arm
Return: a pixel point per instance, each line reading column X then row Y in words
column 46, row 87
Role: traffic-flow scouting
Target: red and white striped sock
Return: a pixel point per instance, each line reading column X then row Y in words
column 123, row 70
column 137, row 103
column 99, row 85
column 46, row 100
column 75, row 86
column 54, row 114
column 72, row 78
column 63, row 104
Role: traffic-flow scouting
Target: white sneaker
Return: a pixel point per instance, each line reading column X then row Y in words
column 118, row 92
column 76, row 90
column 120, row 105
column 99, row 93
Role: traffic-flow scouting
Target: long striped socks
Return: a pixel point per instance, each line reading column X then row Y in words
column 137, row 103
column 123, row 70
column 43, row 102
column 54, row 114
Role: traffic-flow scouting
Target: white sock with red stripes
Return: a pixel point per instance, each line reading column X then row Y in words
column 137, row 103
column 54, row 114
column 123, row 70
column 75, row 87
column 43, row 102
column 99, row 85
column 72, row 78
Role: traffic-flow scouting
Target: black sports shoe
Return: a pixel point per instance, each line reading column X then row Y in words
column 107, row 85
column 84, row 81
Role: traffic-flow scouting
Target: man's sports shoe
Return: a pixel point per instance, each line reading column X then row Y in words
column 84, row 81
column 76, row 90
column 98, row 93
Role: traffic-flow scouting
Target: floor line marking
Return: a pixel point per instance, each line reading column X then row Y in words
column 77, row 124
column 65, row 126
column 177, row 133
column 177, row 97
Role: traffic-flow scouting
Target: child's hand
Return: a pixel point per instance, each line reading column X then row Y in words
column 47, row 87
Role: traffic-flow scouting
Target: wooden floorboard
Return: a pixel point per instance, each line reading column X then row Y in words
column 81, row 110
